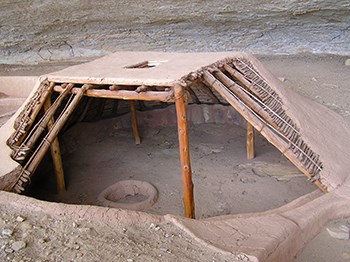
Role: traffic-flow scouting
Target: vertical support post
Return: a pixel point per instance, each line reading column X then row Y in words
column 56, row 154
column 182, row 125
column 135, row 129
column 250, row 141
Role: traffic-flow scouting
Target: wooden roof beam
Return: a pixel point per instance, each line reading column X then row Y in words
column 163, row 96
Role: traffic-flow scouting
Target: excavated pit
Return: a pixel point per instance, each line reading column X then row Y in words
column 269, row 236
column 100, row 153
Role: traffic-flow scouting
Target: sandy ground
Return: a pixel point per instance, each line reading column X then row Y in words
column 50, row 239
column 324, row 79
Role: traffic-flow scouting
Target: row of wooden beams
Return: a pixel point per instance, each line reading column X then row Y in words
column 258, row 124
column 31, row 166
column 163, row 96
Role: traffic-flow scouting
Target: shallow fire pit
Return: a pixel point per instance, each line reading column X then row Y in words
column 129, row 194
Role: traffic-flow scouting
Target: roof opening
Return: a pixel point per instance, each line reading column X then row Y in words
column 145, row 64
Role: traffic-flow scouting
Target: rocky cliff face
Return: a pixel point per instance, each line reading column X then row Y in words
column 41, row 30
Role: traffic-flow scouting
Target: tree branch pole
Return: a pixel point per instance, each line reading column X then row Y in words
column 250, row 141
column 135, row 129
column 182, row 124
column 56, row 154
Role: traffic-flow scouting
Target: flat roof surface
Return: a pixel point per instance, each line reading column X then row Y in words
column 164, row 68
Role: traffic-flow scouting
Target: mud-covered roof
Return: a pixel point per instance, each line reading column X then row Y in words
column 139, row 68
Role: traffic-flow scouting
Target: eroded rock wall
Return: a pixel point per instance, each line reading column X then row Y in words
column 41, row 30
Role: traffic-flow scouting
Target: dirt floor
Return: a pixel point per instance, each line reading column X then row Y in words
column 225, row 181
column 324, row 79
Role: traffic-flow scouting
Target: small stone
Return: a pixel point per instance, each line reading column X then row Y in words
column 18, row 245
column 75, row 225
column 154, row 226
column 20, row 219
column 164, row 249
column 215, row 151
column 41, row 241
column 8, row 250
column 314, row 79
column 347, row 62
column 130, row 260
column 7, row 232
column 77, row 247
column 124, row 230
column 167, row 235
column 282, row 79
column 339, row 232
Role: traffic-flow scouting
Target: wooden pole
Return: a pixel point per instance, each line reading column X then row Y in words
column 48, row 116
column 163, row 96
column 135, row 129
column 184, row 151
column 56, row 154
column 250, row 141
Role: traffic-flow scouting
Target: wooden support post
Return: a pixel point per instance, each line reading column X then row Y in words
column 182, row 124
column 56, row 154
column 135, row 129
column 250, row 141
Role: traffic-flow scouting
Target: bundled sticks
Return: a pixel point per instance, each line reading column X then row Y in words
column 28, row 115
column 285, row 124
column 242, row 86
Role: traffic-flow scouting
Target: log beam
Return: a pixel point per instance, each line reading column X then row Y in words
column 163, row 96
column 182, row 124
column 56, row 154
column 250, row 141
column 135, row 129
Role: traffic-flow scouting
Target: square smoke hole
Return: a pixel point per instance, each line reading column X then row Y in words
column 145, row 64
